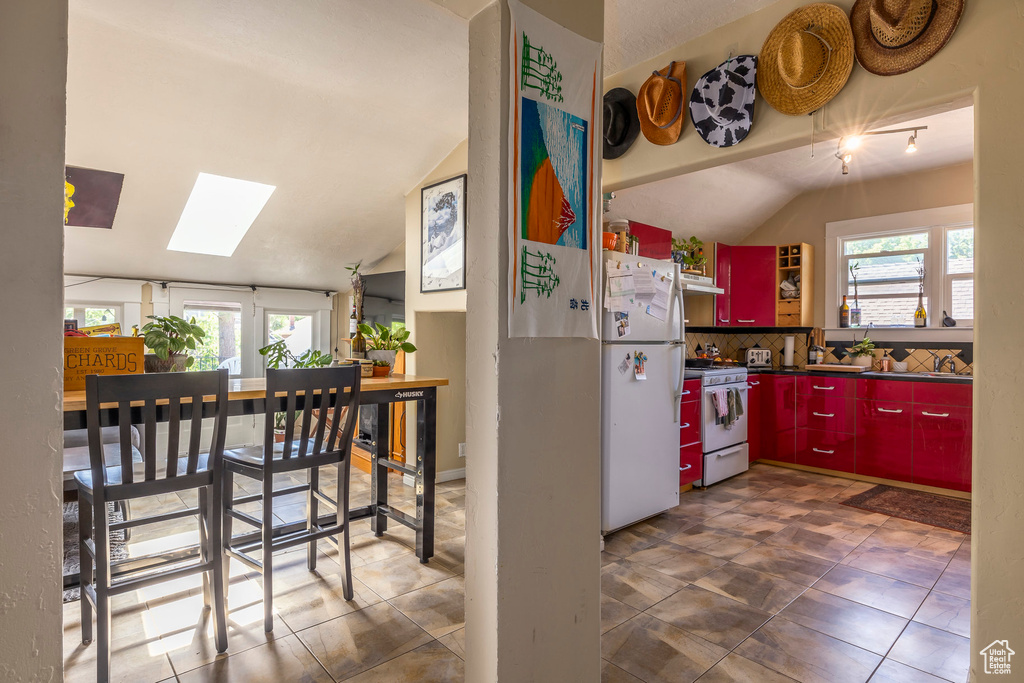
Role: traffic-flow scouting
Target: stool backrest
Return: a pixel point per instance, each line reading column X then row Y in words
column 174, row 397
column 331, row 390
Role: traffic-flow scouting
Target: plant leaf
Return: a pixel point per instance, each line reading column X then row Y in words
column 408, row 347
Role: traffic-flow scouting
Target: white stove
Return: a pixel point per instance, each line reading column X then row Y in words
column 724, row 442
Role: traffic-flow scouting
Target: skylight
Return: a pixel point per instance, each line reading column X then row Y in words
column 217, row 215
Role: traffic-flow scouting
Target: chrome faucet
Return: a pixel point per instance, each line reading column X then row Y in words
column 952, row 364
column 937, row 365
column 948, row 358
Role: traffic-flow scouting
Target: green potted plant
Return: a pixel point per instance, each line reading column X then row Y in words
column 384, row 344
column 381, row 368
column 170, row 338
column 862, row 353
column 278, row 354
column 689, row 254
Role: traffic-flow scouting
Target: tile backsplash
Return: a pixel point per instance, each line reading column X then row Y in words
column 916, row 354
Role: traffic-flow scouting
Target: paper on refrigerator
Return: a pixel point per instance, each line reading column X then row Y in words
column 662, row 293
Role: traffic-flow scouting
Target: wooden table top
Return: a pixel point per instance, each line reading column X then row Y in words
column 256, row 387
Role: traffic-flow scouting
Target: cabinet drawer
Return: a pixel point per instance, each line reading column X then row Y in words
column 833, row 414
column 829, row 450
column 884, row 438
column 691, row 459
column 885, row 390
column 691, row 390
column 942, row 446
column 943, row 394
column 689, row 423
column 789, row 307
column 825, row 386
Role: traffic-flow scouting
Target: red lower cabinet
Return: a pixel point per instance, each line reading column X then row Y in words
column 825, row 413
column 778, row 417
column 826, row 449
column 754, row 417
column 691, row 463
column 942, row 446
column 884, row 439
column 689, row 423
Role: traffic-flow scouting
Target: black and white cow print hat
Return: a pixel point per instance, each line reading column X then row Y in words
column 722, row 103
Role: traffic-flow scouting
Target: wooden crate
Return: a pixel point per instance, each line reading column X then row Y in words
column 100, row 356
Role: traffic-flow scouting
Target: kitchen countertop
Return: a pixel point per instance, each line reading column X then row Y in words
column 947, row 378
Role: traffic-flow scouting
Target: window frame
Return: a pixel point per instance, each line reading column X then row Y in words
column 937, row 223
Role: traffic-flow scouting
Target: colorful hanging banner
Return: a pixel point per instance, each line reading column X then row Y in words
column 554, row 193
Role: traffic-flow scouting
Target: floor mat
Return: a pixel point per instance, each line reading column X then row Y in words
column 917, row 506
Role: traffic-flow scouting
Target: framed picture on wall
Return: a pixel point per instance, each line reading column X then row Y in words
column 443, row 236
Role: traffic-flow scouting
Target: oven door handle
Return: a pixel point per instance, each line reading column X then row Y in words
column 731, row 451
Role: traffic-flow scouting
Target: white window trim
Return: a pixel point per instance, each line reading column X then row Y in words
column 895, row 222
column 89, row 292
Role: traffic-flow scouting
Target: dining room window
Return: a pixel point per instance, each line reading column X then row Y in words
column 92, row 314
column 222, row 323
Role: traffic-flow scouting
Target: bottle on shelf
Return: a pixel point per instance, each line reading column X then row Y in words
column 844, row 314
column 353, row 323
column 920, row 315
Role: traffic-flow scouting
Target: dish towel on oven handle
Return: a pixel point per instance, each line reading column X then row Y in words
column 728, row 406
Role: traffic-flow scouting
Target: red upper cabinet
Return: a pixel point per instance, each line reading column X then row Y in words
column 723, row 275
column 752, row 286
column 654, row 242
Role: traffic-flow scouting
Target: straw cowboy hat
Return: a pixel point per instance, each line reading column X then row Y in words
column 806, row 59
column 621, row 124
column 661, row 104
column 722, row 103
column 896, row 36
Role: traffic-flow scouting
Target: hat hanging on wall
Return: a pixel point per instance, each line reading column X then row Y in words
column 806, row 59
column 722, row 102
column 660, row 104
column 621, row 123
column 896, row 36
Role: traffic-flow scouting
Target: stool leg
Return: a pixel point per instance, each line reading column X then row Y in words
column 85, row 571
column 228, row 497
column 217, row 555
column 204, row 542
column 313, row 515
column 268, row 552
column 344, row 555
column 101, row 541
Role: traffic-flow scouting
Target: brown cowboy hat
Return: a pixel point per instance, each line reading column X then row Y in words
column 661, row 104
column 806, row 59
column 896, row 36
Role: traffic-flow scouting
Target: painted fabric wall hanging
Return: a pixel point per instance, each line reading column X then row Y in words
column 806, row 59
column 896, row 36
column 554, row 190
column 722, row 103
column 443, row 235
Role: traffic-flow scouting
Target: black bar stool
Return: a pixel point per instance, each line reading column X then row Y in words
column 178, row 399
column 334, row 393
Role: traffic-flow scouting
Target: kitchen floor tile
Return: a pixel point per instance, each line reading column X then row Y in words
column 711, row 616
column 851, row 622
column 717, row 542
column 891, row 671
column 873, row 590
column 399, row 575
column 751, row 587
column 956, row 579
column 896, row 564
column 915, row 544
column 627, row 541
column 933, row 651
column 613, row 674
column 806, row 655
column 787, row 564
column 438, row 608
column 812, row 543
column 456, row 642
column 637, row 585
column 678, row 562
column 430, row 663
column 282, row 659
column 737, row 669
column 614, row 613
column 946, row 612
column 779, row 510
column 748, row 526
column 657, row 652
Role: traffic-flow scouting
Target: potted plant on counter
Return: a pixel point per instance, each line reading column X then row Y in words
column 384, row 344
column 381, row 368
column 689, row 254
column 278, row 354
column 171, row 338
column 862, row 353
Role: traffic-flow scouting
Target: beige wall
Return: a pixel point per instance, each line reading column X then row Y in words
column 804, row 218
column 981, row 63
column 33, row 72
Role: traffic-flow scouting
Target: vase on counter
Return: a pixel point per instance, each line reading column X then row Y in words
column 863, row 361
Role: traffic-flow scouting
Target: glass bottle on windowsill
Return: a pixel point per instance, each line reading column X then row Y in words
column 844, row 314
column 920, row 315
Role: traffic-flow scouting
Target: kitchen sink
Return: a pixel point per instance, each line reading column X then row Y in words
column 949, row 375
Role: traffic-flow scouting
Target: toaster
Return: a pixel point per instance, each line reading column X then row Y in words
column 759, row 358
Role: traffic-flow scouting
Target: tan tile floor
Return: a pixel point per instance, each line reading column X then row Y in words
column 760, row 578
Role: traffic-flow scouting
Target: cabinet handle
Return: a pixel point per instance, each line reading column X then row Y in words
column 744, row 321
column 722, row 320
column 819, row 450
column 752, row 384
column 823, row 388
column 886, row 410
column 934, row 414
column 824, row 414
column 684, row 426
column 683, row 469
column 685, row 393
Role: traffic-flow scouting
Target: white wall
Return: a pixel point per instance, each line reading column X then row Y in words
column 33, row 71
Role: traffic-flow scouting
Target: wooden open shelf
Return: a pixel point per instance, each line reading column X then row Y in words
column 797, row 312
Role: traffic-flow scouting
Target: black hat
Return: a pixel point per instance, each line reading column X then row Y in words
column 621, row 123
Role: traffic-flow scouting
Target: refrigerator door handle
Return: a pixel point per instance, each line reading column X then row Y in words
column 677, row 400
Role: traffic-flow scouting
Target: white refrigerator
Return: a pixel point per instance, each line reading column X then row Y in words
column 640, row 417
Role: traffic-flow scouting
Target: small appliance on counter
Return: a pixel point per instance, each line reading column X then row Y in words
column 759, row 358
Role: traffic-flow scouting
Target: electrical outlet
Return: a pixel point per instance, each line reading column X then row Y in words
column 462, row 449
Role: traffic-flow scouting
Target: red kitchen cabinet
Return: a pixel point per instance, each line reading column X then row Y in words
column 777, row 417
column 943, row 393
column 885, row 390
column 942, row 445
column 654, row 242
column 828, row 413
column 826, row 449
column 689, row 422
column 752, row 287
column 723, row 276
column 884, row 439
column 819, row 385
column 691, row 461
column 753, row 417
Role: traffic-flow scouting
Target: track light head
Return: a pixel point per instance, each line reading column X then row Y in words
column 912, row 143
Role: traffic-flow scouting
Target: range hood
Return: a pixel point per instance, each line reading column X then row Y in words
column 697, row 284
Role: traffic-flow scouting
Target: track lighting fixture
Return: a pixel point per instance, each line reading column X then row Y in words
column 912, row 143
column 847, row 144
